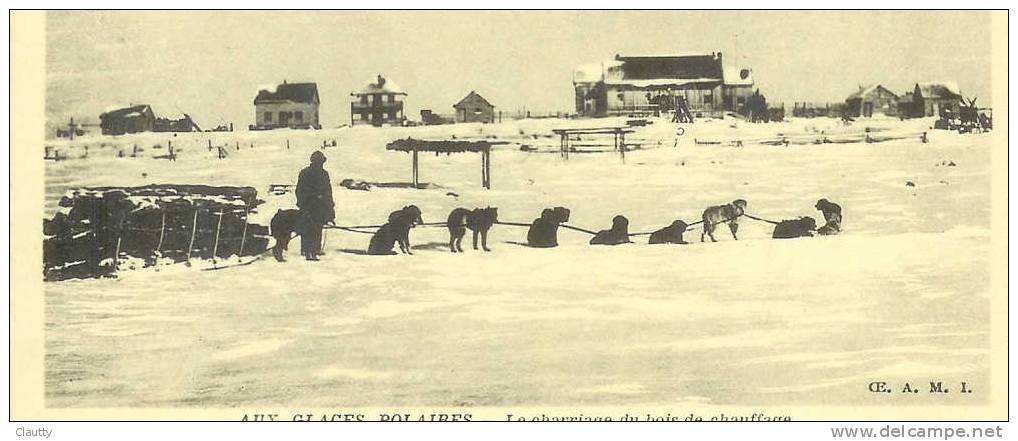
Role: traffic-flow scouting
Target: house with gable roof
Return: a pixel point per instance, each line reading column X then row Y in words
column 290, row 105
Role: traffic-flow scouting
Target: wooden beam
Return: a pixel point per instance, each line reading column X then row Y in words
column 416, row 174
column 622, row 147
column 194, row 229
column 486, row 168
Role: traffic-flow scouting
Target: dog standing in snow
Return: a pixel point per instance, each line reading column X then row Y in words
column 723, row 214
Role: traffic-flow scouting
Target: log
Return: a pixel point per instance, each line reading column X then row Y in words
column 171, row 221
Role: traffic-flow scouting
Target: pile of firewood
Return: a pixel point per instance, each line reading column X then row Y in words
column 98, row 229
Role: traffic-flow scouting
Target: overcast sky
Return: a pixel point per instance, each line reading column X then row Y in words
column 211, row 64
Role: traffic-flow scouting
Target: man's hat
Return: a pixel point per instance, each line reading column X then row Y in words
column 318, row 157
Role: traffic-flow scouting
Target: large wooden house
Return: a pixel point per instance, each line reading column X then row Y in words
column 871, row 100
column 474, row 108
column 290, row 105
column 380, row 102
column 649, row 83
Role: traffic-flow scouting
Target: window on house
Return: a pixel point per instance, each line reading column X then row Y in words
column 298, row 116
column 392, row 98
column 268, row 116
column 364, row 99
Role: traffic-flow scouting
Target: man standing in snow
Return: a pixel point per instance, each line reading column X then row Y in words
column 314, row 199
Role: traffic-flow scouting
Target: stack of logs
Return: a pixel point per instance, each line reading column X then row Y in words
column 97, row 228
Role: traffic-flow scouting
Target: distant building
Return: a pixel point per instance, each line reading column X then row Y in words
column 132, row 119
column 185, row 124
column 430, row 118
column 871, row 100
column 474, row 108
column 932, row 98
column 648, row 83
column 906, row 105
column 378, row 103
column 290, row 105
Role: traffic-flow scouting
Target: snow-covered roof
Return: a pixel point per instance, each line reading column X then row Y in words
column 663, row 70
column 661, row 82
column 296, row 92
column 671, row 55
column 126, row 112
column 380, row 84
column 866, row 90
column 939, row 89
column 473, row 96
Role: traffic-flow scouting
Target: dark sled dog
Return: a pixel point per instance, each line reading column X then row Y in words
column 395, row 231
column 478, row 220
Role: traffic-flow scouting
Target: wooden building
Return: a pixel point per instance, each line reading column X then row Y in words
column 906, row 105
column 871, row 100
column 380, row 102
column 132, row 119
column 292, row 105
column 184, row 124
column 933, row 98
column 649, row 83
column 737, row 88
column 474, row 108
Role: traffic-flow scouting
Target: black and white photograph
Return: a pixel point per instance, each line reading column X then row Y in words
column 602, row 215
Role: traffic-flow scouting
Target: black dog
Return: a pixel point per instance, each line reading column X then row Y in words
column 670, row 234
column 283, row 224
column 397, row 230
column 478, row 220
column 618, row 234
column 543, row 232
column 790, row 229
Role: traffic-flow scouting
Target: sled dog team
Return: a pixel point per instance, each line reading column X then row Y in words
column 316, row 209
column 543, row 231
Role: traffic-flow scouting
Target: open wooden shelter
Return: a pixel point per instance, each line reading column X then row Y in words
column 618, row 136
column 414, row 146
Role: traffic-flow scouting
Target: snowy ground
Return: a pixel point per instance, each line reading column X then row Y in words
column 902, row 295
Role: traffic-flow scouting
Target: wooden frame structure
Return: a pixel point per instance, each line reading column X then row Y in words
column 618, row 137
column 413, row 146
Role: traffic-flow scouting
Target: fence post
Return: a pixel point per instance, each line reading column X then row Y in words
column 622, row 146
